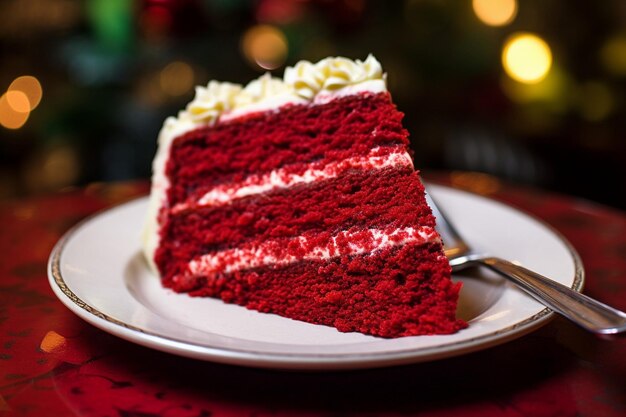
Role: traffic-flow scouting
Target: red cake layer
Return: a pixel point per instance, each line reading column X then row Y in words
column 300, row 134
column 400, row 289
column 404, row 291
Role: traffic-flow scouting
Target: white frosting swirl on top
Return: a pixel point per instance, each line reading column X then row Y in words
column 301, row 83
column 305, row 78
column 341, row 72
column 211, row 101
column 263, row 88
column 331, row 74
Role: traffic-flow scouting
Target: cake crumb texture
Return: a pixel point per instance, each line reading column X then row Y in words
column 402, row 288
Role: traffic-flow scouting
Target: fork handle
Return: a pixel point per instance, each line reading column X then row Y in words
column 579, row 308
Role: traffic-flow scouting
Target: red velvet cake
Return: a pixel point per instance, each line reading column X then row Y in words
column 298, row 197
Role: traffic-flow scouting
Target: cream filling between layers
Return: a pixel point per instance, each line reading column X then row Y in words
column 282, row 178
column 280, row 253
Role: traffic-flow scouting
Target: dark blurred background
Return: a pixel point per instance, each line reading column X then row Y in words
column 528, row 91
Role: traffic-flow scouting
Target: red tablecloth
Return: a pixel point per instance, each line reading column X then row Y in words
column 54, row 364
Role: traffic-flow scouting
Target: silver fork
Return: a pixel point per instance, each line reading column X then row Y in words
column 588, row 313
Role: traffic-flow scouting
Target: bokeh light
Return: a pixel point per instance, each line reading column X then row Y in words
column 526, row 58
column 613, row 55
column 52, row 168
column 112, row 22
column 476, row 182
column 265, row 46
column 554, row 91
column 281, row 12
column 9, row 118
column 495, row 12
column 60, row 167
column 18, row 101
column 177, row 78
column 30, row 86
column 156, row 21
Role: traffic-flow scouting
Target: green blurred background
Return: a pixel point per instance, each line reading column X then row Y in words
column 530, row 92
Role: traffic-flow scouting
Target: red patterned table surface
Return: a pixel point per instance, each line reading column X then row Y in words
column 54, row 364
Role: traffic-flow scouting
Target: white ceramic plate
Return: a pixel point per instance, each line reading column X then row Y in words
column 97, row 271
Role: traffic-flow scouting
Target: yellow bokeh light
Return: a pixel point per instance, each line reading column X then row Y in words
column 9, row 118
column 177, row 78
column 526, row 58
column 18, row 101
column 265, row 46
column 613, row 55
column 495, row 12
column 553, row 93
column 30, row 86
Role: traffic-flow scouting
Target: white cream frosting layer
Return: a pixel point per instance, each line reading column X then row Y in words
column 304, row 83
column 331, row 74
column 280, row 252
column 301, row 84
column 282, row 178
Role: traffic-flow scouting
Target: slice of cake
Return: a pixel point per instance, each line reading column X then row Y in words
column 298, row 197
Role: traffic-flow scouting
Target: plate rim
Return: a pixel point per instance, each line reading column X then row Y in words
column 302, row 361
